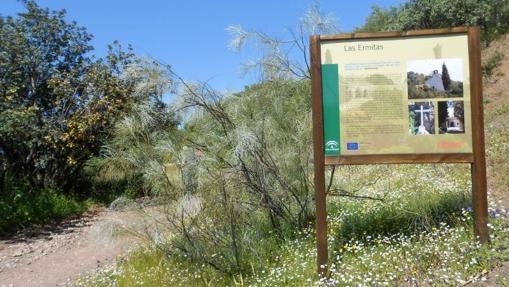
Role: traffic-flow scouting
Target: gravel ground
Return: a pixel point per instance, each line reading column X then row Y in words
column 55, row 255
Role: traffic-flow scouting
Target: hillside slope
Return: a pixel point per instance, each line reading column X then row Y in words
column 496, row 109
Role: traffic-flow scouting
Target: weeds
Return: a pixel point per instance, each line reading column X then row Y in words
column 372, row 242
column 21, row 208
column 446, row 256
column 491, row 63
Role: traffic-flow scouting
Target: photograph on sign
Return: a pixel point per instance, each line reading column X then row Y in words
column 438, row 78
column 421, row 117
column 396, row 96
column 451, row 117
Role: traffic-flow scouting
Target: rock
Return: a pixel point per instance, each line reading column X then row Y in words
column 120, row 204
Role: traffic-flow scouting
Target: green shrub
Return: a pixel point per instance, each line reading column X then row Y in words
column 420, row 213
column 494, row 61
column 491, row 15
column 21, row 207
column 443, row 256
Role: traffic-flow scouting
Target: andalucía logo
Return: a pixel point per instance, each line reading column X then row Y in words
column 332, row 146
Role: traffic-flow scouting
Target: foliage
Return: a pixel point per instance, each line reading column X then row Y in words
column 423, row 213
column 446, row 79
column 459, row 110
column 237, row 172
column 428, row 252
column 235, row 180
column 216, row 228
column 444, row 256
column 379, row 19
column 443, row 114
column 418, row 89
column 19, row 208
column 56, row 102
column 412, row 129
column 284, row 59
column 250, row 154
column 497, row 147
column 491, row 63
column 136, row 155
column 491, row 15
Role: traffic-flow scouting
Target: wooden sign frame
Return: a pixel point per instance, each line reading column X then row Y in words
column 477, row 158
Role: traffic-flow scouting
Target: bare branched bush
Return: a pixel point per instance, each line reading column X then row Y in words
column 283, row 59
column 141, row 141
column 247, row 160
column 235, row 177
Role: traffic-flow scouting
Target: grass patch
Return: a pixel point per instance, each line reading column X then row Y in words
column 151, row 267
column 421, row 234
column 422, row 213
column 491, row 63
column 497, row 147
column 21, row 208
column 443, row 256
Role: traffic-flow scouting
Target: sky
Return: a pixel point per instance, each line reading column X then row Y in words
column 191, row 35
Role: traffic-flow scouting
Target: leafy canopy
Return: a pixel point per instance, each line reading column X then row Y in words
column 56, row 101
column 491, row 15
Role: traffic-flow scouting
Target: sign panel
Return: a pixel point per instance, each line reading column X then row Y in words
column 394, row 98
column 384, row 96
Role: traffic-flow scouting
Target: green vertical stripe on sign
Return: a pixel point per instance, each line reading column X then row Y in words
column 330, row 97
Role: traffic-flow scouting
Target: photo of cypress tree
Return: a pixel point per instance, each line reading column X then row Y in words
column 446, row 79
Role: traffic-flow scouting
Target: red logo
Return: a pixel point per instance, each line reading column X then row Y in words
column 450, row 144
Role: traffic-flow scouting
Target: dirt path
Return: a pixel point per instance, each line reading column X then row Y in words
column 57, row 255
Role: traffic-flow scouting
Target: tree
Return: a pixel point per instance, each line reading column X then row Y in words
column 380, row 19
column 446, row 79
column 459, row 110
column 443, row 114
column 57, row 103
column 491, row 15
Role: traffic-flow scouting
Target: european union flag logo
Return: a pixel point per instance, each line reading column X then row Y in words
column 352, row 146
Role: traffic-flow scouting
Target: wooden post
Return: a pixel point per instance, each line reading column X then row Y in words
column 479, row 186
column 319, row 157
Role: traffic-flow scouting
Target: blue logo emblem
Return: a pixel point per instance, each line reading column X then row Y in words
column 352, row 146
